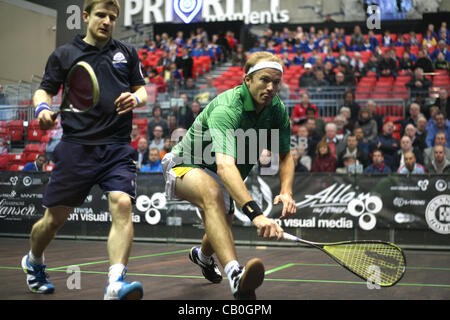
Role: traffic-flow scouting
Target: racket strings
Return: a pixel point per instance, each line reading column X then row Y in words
column 81, row 89
column 380, row 263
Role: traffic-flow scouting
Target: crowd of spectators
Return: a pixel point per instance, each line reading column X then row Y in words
column 357, row 136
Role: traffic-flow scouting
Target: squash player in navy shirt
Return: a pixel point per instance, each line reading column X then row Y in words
column 95, row 146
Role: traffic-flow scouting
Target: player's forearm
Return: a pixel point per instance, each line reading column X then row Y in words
column 287, row 168
column 41, row 96
column 141, row 94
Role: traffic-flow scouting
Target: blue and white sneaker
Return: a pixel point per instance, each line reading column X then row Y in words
column 210, row 271
column 122, row 290
column 36, row 277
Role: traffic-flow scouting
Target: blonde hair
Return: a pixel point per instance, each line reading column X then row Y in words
column 90, row 4
column 259, row 56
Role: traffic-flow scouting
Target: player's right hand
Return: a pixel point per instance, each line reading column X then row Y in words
column 45, row 120
column 268, row 228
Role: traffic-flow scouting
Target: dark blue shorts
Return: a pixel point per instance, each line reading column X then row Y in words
column 79, row 167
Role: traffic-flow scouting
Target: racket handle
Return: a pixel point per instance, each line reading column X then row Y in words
column 55, row 115
column 287, row 236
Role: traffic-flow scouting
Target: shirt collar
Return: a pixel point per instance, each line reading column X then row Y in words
column 84, row 46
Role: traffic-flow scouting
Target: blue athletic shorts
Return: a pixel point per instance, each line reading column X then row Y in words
column 79, row 167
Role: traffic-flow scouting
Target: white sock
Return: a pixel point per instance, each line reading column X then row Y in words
column 115, row 271
column 204, row 258
column 35, row 260
column 230, row 267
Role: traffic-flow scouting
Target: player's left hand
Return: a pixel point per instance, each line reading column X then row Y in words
column 289, row 206
column 126, row 102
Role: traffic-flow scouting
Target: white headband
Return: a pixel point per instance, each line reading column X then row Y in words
column 266, row 64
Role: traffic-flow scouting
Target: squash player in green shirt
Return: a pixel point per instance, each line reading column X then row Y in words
column 209, row 165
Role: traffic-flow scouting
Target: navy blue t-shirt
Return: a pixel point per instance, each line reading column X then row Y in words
column 117, row 68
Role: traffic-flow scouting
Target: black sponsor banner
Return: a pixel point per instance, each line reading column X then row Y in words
column 324, row 201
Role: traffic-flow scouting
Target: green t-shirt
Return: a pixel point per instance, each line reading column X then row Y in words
column 229, row 124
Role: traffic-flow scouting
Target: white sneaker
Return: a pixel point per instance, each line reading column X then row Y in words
column 246, row 279
column 122, row 290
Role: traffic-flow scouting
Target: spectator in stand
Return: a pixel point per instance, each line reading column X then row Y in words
column 441, row 48
column 304, row 143
column 157, row 120
column 387, row 143
column 410, row 131
column 141, row 153
column 185, row 63
column 168, row 145
column 347, row 161
column 387, row 67
column 440, row 125
column 387, row 39
column 173, row 77
column 419, row 84
column 411, row 166
column 439, row 164
column 406, row 62
column 343, row 57
column 299, row 158
column 349, row 101
column 38, row 165
column 400, row 41
column 347, row 114
column 429, row 40
column 357, row 36
column 312, row 113
column 157, row 80
column 314, row 136
column 406, row 146
column 340, row 80
column 421, row 131
column 320, row 83
column 172, row 123
column 324, row 161
column 336, row 146
column 371, row 65
column 207, row 91
column 367, row 45
column 440, row 140
column 298, row 60
column 190, row 89
column 414, row 113
column 378, row 165
column 413, row 40
column 328, row 72
column 307, row 78
column 424, row 61
column 238, row 57
column 287, row 62
column 362, row 144
column 377, row 117
column 373, row 40
column 158, row 140
column 341, row 127
column 443, row 102
column 299, row 112
column 154, row 163
column 357, row 65
column 196, row 109
column 135, row 135
column 440, row 63
column 352, row 149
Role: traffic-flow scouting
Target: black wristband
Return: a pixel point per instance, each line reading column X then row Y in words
column 251, row 210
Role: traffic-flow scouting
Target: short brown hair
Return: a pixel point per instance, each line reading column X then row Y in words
column 89, row 4
column 258, row 56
